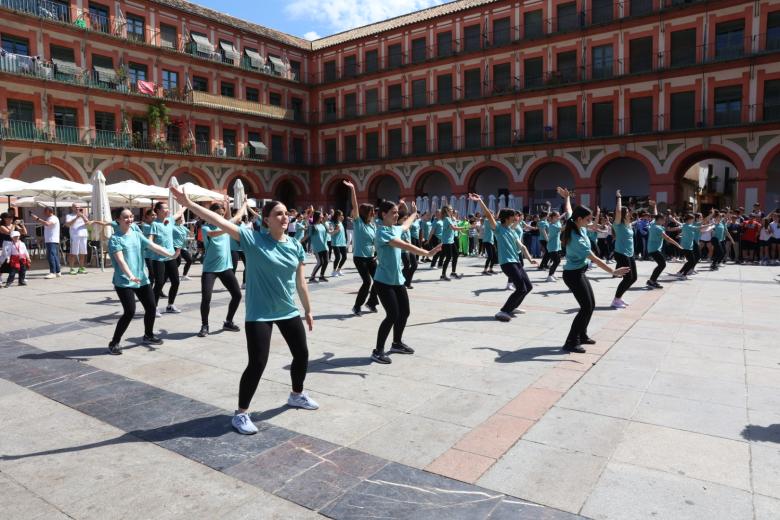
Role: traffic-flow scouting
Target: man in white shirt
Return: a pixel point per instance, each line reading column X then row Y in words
column 77, row 221
column 51, row 237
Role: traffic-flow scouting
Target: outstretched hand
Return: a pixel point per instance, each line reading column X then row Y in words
column 563, row 192
column 435, row 250
column 474, row 197
column 180, row 196
column 621, row 271
column 348, row 184
column 309, row 321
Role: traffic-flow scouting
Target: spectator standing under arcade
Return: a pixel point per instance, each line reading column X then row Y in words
column 51, row 240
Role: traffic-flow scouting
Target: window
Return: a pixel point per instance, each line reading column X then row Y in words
column 394, row 143
column 682, row 111
column 683, row 51
column 444, row 133
column 252, row 94
column 227, row 89
column 772, row 100
column 641, row 55
column 253, row 137
column 372, row 146
column 139, row 127
column 65, row 54
column 501, row 32
column 350, row 105
column 567, row 17
column 639, row 7
column 275, row 99
column 297, row 107
column 21, row 110
column 567, row 122
column 532, row 24
column 173, row 136
column 297, row 151
column 444, row 88
column 98, row 18
column 372, row 101
column 471, row 38
column 350, row 66
column 473, row 131
column 602, row 124
column 200, row 84
column 641, row 113
column 419, row 50
column 419, row 140
column 773, row 31
column 203, row 140
column 728, row 105
column 65, row 117
column 15, row 45
column 602, row 61
column 567, row 66
column 136, row 28
column 350, row 148
column 105, row 121
column 228, row 52
column 229, row 142
column 277, row 148
column 330, row 71
column 395, row 57
column 534, row 74
column 534, row 125
column 103, row 70
column 295, row 74
column 419, row 93
column 137, row 72
column 502, row 77
column 444, row 44
column 371, row 63
column 730, row 39
column 169, row 37
column 502, row 130
column 331, row 151
column 103, row 62
column 602, row 11
column 472, row 84
column 170, row 79
column 330, row 109
column 394, row 97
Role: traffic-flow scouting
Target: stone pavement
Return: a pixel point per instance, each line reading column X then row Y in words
column 675, row 413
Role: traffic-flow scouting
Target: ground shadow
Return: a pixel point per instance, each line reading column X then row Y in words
column 526, row 354
column 552, row 292
column 328, row 364
column 82, row 354
column 339, row 317
column 456, row 319
column 107, row 300
column 753, row 432
column 575, row 310
column 477, row 292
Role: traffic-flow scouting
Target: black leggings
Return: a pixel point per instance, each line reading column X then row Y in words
column 322, row 263
column 579, row 285
column 396, row 303
column 258, row 344
column 228, row 279
column 659, row 259
column 438, row 256
column 629, row 279
column 235, row 256
column 165, row 269
column 718, row 253
column 366, row 267
column 603, row 248
column 185, row 254
column 555, row 259
column 491, row 256
column 410, row 266
column 545, row 254
column 450, row 253
column 340, row 257
column 519, row 278
column 127, row 298
column 690, row 261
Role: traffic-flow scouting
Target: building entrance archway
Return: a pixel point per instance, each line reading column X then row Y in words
column 384, row 187
column 339, row 197
column 489, row 181
column 434, row 183
column 708, row 181
column 772, row 197
column 287, row 193
column 626, row 174
column 544, row 182
column 38, row 172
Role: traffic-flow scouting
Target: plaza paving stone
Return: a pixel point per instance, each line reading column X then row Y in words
column 673, row 414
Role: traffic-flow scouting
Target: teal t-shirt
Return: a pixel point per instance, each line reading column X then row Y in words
column 577, row 250
column 328, row 236
column 163, row 237
column 543, row 226
column 146, row 229
column 340, row 238
column 687, row 235
column 593, row 236
column 271, row 283
column 217, row 258
column 519, row 231
column 414, row 229
column 318, row 234
column 554, row 236
column 447, row 233
column 697, row 234
column 180, row 234
column 655, row 238
column 506, row 242
column 719, row 231
column 300, row 230
column 487, row 233
column 624, row 239
column 406, row 235
column 363, row 239
column 438, row 229
column 425, row 227
column 132, row 245
column 388, row 271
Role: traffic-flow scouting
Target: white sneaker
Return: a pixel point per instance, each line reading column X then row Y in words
column 157, row 313
column 243, row 424
column 552, row 279
column 172, row 309
column 682, row 277
column 59, row 275
column 518, row 311
column 50, row 276
column 302, row 400
column 503, row 316
column 510, row 286
column 617, row 303
column 185, row 278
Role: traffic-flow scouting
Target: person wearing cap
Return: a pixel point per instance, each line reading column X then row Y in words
column 15, row 253
column 51, row 237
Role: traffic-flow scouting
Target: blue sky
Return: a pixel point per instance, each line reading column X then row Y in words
column 316, row 18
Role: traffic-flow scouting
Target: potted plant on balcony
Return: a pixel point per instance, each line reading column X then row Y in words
column 121, row 79
column 158, row 116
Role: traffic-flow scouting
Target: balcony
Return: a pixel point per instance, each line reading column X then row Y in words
column 238, row 105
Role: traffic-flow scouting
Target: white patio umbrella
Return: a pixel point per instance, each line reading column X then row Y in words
column 38, row 202
column 426, row 204
column 492, row 203
column 502, row 201
column 462, row 206
column 132, row 190
column 173, row 206
column 199, row 194
column 511, row 203
column 238, row 195
column 9, row 186
column 101, row 210
column 434, row 204
column 453, row 202
column 54, row 188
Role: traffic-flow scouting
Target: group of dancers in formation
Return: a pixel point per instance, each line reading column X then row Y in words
column 387, row 240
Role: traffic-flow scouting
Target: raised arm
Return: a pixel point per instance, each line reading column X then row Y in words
column 618, row 208
column 488, row 214
column 209, row 216
column 354, row 214
column 411, row 218
column 563, row 192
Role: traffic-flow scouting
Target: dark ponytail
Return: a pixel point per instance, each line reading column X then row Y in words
column 571, row 223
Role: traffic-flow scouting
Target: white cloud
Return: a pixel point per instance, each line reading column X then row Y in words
column 311, row 36
column 341, row 15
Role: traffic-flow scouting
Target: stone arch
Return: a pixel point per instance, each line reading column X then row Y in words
column 489, row 178
column 714, row 170
column 250, row 186
column 186, row 174
column 121, row 171
column 37, row 168
column 384, row 186
column 287, row 192
column 772, row 193
column 433, row 182
column 337, row 195
column 544, row 178
column 628, row 174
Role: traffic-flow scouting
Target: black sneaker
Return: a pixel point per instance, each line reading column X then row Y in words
column 456, row 276
column 323, row 279
column 409, row 286
column 444, row 277
column 587, row 341
column 356, row 311
column 152, row 340
column 232, row 327
column 569, row 347
column 401, row 348
column 380, row 357
column 372, row 308
column 204, row 331
column 313, row 280
column 114, row 349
